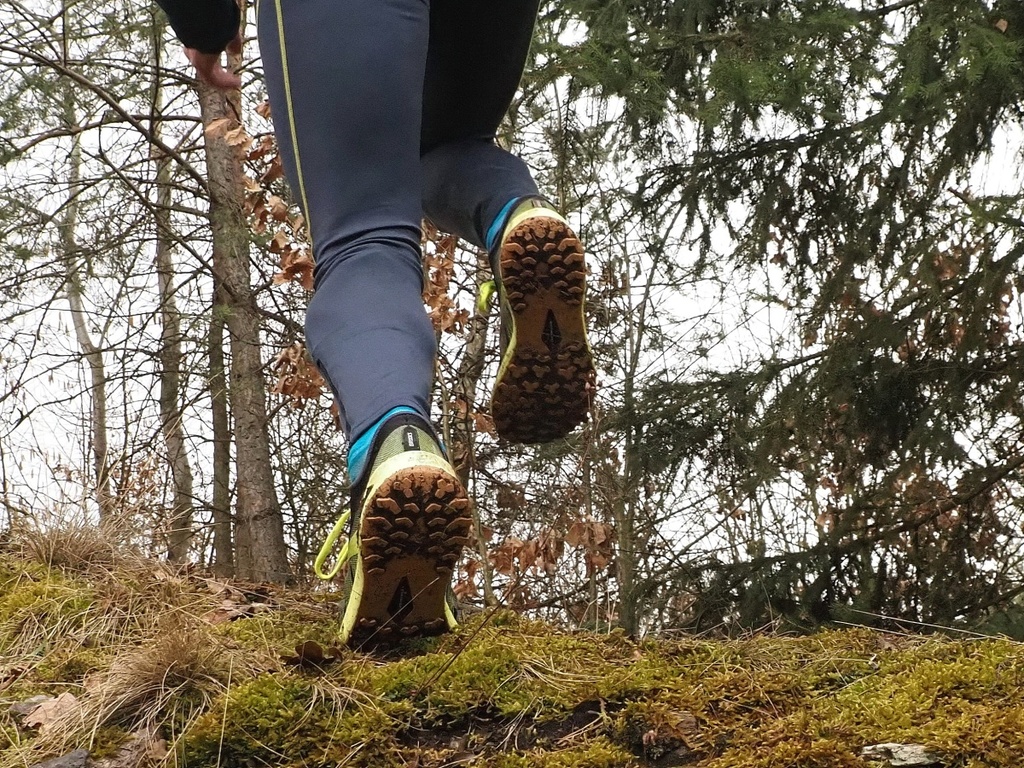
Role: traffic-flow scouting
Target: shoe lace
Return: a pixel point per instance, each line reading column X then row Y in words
column 349, row 549
column 483, row 297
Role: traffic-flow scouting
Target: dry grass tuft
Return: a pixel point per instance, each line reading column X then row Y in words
column 77, row 548
column 161, row 684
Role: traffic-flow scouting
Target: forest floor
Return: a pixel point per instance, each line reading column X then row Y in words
column 108, row 661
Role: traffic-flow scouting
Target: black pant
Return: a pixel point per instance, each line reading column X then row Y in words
column 386, row 110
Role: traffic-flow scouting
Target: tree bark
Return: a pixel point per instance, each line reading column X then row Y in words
column 179, row 530
column 223, row 546
column 624, row 505
column 180, row 526
column 463, row 430
column 92, row 353
column 260, row 552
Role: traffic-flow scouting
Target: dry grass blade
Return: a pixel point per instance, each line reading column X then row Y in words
column 169, row 679
column 79, row 547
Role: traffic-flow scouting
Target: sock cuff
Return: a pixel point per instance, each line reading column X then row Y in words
column 494, row 230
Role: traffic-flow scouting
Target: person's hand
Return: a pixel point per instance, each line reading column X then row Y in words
column 211, row 71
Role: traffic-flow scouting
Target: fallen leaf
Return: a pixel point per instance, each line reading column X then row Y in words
column 312, row 654
column 49, row 711
column 26, row 706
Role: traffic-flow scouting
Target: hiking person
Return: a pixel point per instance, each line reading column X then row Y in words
column 386, row 111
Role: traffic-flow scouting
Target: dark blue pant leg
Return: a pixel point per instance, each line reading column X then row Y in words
column 360, row 89
column 345, row 83
column 474, row 64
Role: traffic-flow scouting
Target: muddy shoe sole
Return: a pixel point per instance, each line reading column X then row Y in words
column 546, row 377
column 411, row 537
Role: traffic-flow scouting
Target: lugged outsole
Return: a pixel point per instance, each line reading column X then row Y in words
column 411, row 537
column 547, row 374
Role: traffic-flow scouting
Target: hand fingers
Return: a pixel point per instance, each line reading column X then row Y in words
column 219, row 77
column 235, row 46
column 210, row 70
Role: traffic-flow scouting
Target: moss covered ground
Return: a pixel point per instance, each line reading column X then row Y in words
column 211, row 671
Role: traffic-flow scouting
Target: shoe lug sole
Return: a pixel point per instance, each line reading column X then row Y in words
column 544, row 391
column 412, row 529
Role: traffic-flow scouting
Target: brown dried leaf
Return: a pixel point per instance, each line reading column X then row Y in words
column 265, row 147
column 217, row 128
column 278, row 208
column 280, row 242
column 237, row 137
column 503, row 557
column 466, row 588
column 1002, row 25
column 48, row 712
column 297, row 377
column 296, row 266
column 274, row 172
column 312, row 654
column 550, row 549
column 511, row 497
column 484, row 423
column 263, row 110
column 576, row 534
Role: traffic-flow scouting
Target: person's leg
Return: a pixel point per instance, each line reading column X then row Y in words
column 345, row 84
column 474, row 63
column 487, row 196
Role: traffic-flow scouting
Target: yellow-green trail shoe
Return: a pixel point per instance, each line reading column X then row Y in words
column 546, row 376
column 413, row 520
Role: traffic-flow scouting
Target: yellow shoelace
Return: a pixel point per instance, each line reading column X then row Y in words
column 348, row 550
column 483, row 298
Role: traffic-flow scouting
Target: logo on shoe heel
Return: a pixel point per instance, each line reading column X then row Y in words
column 410, row 439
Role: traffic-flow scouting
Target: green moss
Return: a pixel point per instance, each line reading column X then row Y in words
column 575, row 699
column 509, row 668
column 965, row 699
column 71, row 665
column 107, row 741
column 291, row 719
column 598, row 753
column 279, row 632
column 39, row 610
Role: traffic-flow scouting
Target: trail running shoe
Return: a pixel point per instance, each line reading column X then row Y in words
column 546, row 375
column 413, row 520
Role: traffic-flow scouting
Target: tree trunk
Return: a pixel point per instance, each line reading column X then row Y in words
column 179, row 531
column 179, row 528
column 624, row 506
column 259, row 533
column 463, row 430
column 93, row 354
column 223, row 547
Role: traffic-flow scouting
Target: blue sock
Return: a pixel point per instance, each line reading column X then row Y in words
column 357, row 453
column 495, row 229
